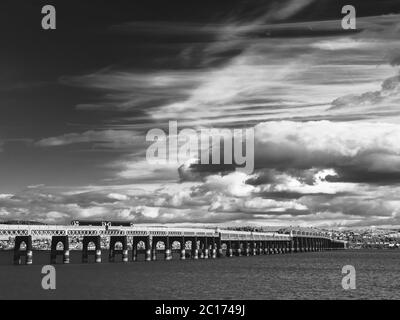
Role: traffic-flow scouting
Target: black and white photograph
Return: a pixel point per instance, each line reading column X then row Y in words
column 223, row 151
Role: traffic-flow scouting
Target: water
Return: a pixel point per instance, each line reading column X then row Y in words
column 313, row 275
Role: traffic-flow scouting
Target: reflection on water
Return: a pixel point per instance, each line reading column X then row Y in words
column 314, row 275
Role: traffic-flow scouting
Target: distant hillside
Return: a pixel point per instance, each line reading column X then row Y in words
column 22, row 222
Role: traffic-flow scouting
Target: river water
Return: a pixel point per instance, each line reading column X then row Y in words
column 313, row 275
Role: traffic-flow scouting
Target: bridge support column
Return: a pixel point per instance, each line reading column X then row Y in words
column 276, row 247
column 302, row 245
column 260, row 248
column 298, row 244
column 247, row 249
column 206, row 247
column 55, row 240
column 147, row 243
column 134, row 249
column 254, row 248
column 168, row 252
column 229, row 249
column 113, row 252
column 183, row 249
column 86, row 252
column 18, row 253
column 238, row 249
column 219, row 247
column 213, row 249
column 269, row 247
column 201, row 248
column 195, row 251
column 154, row 249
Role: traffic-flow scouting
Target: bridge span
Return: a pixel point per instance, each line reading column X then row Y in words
column 194, row 243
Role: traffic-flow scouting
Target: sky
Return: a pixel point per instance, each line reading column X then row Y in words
column 77, row 102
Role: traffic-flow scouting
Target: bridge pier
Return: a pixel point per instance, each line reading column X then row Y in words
column 153, row 249
column 298, row 244
column 238, row 248
column 55, row 240
column 213, row 249
column 86, row 252
column 147, row 244
column 183, row 249
column 219, row 247
column 168, row 250
column 260, row 248
column 281, row 247
column 253, row 248
column 113, row 252
column 134, row 249
column 268, row 247
column 18, row 253
column 229, row 249
column 276, row 247
column 246, row 248
column 195, row 250
column 293, row 245
column 204, row 251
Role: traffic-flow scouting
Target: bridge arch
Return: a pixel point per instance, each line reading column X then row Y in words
column 118, row 245
column 177, row 244
column 160, row 245
column 59, row 245
column 91, row 246
column 22, row 246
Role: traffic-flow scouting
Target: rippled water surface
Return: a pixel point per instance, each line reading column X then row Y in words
column 314, row 275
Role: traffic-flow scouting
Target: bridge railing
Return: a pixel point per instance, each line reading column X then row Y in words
column 137, row 231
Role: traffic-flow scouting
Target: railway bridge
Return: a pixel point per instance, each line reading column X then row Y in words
column 129, row 240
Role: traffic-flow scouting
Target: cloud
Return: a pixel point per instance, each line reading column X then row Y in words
column 366, row 146
column 6, row 196
column 388, row 96
column 102, row 138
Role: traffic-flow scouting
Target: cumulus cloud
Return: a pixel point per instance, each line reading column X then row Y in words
column 367, row 146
